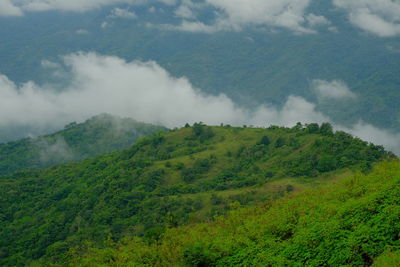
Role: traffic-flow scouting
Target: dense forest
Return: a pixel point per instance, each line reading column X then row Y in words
column 98, row 135
column 185, row 176
column 353, row 222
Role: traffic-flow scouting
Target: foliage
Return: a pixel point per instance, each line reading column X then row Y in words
column 354, row 222
column 99, row 135
column 164, row 181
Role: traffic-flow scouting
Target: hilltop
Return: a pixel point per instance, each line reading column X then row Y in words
column 77, row 141
column 185, row 176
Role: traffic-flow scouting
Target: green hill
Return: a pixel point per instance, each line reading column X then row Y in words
column 99, row 135
column 184, row 176
column 353, row 222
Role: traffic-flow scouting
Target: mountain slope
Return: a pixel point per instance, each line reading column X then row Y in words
column 187, row 175
column 98, row 135
column 353, row 222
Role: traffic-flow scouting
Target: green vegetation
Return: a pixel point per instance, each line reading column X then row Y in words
column 353, row 222
column 99, row 135
column 191, row 175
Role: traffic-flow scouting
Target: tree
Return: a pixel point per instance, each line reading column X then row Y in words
column 198, row 128
column 264, row 140
column 298, row 126
column 280, row 142
column 326, row 129
column 312, row 128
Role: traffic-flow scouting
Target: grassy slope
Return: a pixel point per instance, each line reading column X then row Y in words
column 98, row 135
column 165, row 181
column 351, row 222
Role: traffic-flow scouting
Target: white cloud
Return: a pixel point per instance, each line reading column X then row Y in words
column 8, row 9
column 332, row 90
column 234, row 15
column 105, row 24
column 122, row 13
column 142, row 90
column 54, row 152
column 192, row 26
column 296, row 109
column 317, row 21
column 81, row 32
column 379, row 17
column 229, row 14
column 370, row 133
column 20, row 6
column 184, row 11
column 146, row 92
column 272, row 13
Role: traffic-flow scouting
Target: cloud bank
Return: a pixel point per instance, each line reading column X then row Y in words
column 331, row 90
column 18, row 7
column 379, row 17
column 146, row 92
column 229, row 14
column 9, row 9
column 142, row 90
column 122, row 13
column 237, row 14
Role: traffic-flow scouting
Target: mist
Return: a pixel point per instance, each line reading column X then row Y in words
column 147, row 92
column 55, row 152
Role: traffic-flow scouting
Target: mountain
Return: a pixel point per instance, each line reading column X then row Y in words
column 253, row 65
column 193, row 174
column 99, row 135
column 353, row 222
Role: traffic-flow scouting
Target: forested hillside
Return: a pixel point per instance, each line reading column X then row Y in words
column 184, row 176
column 99, row 135
column 353, row 222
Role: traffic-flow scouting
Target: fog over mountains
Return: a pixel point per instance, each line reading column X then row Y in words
column 257, row 62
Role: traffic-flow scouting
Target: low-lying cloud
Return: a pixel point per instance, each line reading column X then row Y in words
column 146, row 92
column 335, row 90
column 55, row 152
column 379, row 17
column 237, row 14
column 10, row 8
column 386, row 138
column 229, row 14
column 142, row 90
column 122, row 13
